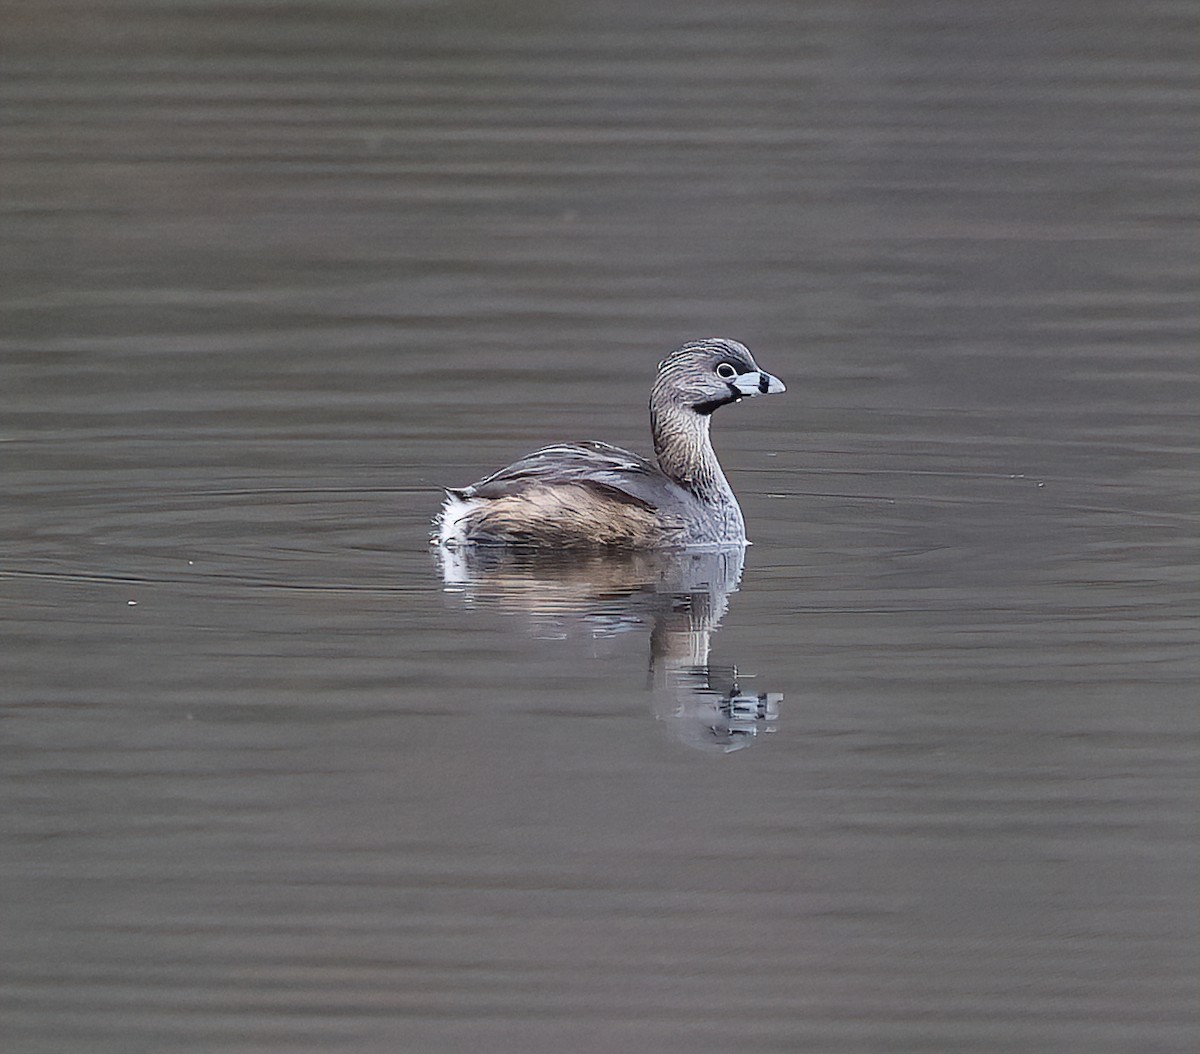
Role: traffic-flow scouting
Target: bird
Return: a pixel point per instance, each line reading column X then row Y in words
column 592, row 495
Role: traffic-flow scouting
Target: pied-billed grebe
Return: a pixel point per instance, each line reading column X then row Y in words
column 593, row 495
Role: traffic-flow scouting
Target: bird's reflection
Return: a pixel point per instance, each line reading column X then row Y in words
column 679, row 596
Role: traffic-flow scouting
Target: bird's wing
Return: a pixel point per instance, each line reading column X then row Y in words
column 620, row 474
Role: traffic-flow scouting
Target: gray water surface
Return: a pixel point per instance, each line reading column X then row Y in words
column 916, row 772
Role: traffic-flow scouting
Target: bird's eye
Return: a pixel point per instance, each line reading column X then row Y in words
column 726, row 371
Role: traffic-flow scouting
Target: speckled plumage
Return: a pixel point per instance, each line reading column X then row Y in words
column 594, row 495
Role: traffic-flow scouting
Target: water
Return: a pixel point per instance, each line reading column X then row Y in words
column 922, row 778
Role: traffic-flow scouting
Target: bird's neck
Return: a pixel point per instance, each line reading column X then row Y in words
column 685, row 452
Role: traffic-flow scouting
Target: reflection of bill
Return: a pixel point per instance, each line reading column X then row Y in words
column 680, row 596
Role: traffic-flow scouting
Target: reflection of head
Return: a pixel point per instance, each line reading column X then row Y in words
column 707, row 709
